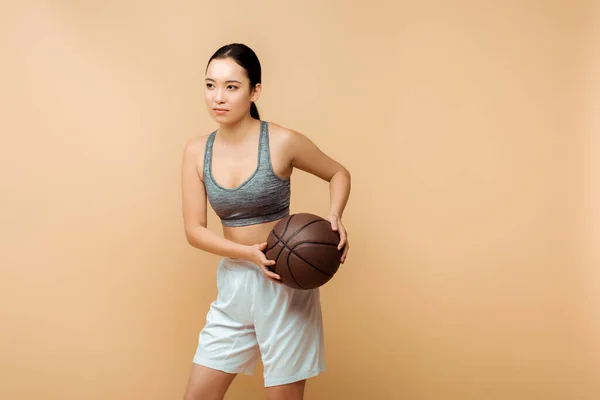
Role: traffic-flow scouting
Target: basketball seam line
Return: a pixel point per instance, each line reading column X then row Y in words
column 313, row 242
column 296, row 254
column 288, row 261
column 291, row 273
column 300, row 229
column 287, row 224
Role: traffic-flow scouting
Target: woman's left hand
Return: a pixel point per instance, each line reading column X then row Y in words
column 336, row 225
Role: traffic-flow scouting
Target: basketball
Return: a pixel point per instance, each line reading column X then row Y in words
column 304, row 248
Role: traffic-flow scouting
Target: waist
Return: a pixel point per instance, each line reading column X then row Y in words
column 234, row 264
column 250, row 234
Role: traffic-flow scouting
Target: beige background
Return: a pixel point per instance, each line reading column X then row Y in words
column 589, row 163
column 470, row 129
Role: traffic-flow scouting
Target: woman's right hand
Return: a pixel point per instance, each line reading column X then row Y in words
column 257, row 256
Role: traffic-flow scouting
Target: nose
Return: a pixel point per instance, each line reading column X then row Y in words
column 219, row 97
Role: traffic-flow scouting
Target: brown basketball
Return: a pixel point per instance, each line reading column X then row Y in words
column 304, row 248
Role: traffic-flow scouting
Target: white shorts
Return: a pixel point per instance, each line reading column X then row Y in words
column 253, row 316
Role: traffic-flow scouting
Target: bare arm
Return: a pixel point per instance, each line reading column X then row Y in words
column 305, row 155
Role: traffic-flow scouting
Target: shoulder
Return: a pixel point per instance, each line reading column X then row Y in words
column 301, row 152
column 282, row 138
column 196, row 145
column 193, row 153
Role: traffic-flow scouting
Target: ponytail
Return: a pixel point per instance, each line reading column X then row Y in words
column 254, row 111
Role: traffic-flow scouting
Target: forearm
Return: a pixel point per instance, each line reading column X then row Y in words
column 204, row 239
column 339, row 191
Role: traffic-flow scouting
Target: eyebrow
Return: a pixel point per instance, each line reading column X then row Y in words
column 229, row 81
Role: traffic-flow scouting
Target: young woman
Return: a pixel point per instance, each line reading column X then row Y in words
column 243, row 169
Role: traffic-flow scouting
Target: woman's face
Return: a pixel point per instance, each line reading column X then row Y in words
column 228, row 95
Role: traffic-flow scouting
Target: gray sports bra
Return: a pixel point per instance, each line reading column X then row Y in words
column 263, row 197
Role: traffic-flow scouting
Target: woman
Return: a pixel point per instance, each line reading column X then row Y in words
column 254, row 315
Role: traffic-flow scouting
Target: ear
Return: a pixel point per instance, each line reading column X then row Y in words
column 256, row 92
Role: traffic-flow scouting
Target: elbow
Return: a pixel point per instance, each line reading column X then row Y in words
column 190, row 238
column 341, row 173
column 345, row 173
column 193, row 235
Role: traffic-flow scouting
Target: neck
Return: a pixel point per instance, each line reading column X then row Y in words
column 239, row 129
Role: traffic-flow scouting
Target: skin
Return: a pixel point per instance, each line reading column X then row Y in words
column 234, row 160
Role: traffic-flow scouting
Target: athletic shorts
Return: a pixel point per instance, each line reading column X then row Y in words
column 254, row 317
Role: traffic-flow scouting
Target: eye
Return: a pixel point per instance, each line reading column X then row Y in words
column 232, row 87
column 209, row 85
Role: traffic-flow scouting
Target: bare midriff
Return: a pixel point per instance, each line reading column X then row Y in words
column 249, row 235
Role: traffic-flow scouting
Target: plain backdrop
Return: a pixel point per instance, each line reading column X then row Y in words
column 471, row 132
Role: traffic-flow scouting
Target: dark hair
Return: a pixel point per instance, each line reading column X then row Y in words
column 245, row 57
